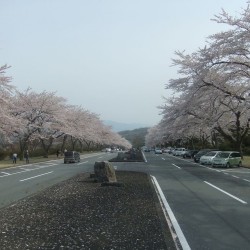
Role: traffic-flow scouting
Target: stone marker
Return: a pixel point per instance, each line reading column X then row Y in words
column 104, row 172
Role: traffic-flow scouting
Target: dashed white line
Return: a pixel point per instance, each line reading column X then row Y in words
column 236, row 176
column 176, row 166
column 221, row 190
column 5, row 173
column 24, row 170
column 82, row 162
column 36, row 176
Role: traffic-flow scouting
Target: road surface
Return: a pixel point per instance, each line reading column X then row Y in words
column 210, row 206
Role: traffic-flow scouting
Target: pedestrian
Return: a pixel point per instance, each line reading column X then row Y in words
column 26, row 156
column 14, row 157
column 57, row 153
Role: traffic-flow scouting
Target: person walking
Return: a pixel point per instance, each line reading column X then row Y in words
column 14, row 157
column 26, row 156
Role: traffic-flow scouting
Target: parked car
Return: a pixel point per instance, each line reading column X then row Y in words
column 190, row 153
column 227, row 159
column 179, row 151
column 208, row 157
column 146, row 149
column 165, row 150
column 201, row 153
column 171, row 150
column 158, row 151
column 71, row 156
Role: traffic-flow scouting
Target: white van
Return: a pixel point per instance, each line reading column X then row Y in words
column 179, row 151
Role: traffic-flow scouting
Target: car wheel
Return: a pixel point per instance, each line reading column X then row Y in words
column 228, row 165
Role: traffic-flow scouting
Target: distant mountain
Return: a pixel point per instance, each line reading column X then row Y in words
column 118, row 126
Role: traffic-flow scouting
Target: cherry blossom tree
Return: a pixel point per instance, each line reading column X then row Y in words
column 85, row 127
column 214, row 86
column 155, row 136
column 31, row 118
column 8, row 122
column 40, row 116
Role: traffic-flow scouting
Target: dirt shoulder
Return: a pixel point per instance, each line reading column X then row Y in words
column 81, row 214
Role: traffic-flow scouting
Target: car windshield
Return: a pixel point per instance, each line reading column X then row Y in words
column 223, row 155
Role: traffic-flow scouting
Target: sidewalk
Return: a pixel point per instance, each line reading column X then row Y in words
column 81, row 214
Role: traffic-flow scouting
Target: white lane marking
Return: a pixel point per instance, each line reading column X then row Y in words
column 176, row 166
column 237, row 170
column 236, row 176
column 217, row 170
column 246, row 180
column 6, row 173
column 213, row 169
column 144, row 157
column 221, row 190
column 26, row 169
column 36, row 176
column 163, row 159
column 173, row 222
column 20, row 172
column 82, row 162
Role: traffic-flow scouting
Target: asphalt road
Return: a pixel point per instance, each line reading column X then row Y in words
column 211, row 206
column 21, row 181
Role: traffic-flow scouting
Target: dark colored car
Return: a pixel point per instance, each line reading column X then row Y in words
column 190, row 153
column 201, row 153
column 71, row 156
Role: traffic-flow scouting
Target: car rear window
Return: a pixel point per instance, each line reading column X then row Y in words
column 68, row 153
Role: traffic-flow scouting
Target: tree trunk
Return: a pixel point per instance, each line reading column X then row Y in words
column 63, row 144
column 46, row 147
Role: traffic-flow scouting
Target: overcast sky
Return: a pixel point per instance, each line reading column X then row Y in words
column 111, row 57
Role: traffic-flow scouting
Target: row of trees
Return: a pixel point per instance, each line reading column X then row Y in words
column 31, row 119
column 211, row 96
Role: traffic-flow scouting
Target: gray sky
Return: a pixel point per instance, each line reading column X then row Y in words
column 112, row 57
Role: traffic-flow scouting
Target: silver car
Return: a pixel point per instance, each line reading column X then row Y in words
column 208, row 157
column 227, row 159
